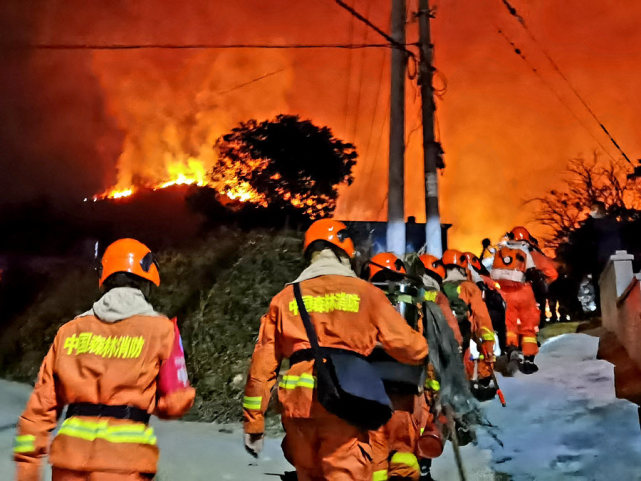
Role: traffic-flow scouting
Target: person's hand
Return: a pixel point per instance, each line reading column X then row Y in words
column 254, row 443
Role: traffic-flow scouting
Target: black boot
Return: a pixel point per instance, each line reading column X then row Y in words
column 425, row 465
column 483, row 389
column 528, row 366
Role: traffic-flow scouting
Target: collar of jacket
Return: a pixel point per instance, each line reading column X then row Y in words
column 121, row 303
column 430, row 283
column 326, row 264
column 454, row 275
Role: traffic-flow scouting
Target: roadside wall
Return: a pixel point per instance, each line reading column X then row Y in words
column 621, row 303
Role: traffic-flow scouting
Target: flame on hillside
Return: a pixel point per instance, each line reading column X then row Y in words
column 193, row 172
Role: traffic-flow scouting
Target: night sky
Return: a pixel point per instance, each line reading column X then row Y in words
column 74, row 123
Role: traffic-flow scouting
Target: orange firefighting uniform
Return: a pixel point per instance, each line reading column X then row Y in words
column 511, row 262
column 347, row 313
column 481, row 323
column 92, row 361
column 396, row 444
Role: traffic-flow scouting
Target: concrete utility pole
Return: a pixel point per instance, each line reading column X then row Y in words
column 431, row 149
column 396, row 191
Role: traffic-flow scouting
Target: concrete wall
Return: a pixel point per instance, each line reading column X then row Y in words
column 621, row 302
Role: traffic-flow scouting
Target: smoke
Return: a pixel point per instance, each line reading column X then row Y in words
column 75, row 123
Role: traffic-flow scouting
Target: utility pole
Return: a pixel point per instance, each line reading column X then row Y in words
column 431, row 149
column 396, row 190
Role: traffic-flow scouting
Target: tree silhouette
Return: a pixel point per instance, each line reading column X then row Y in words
column 588, row 183
column 287, row 163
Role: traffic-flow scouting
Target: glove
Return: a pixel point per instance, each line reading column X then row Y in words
column 254, row 443
column 487, row 351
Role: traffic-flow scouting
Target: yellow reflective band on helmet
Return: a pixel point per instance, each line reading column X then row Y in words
column 292, row 382
column 380, row 475
column 433, row 384
column 486, row 334
column 123, row 433
column 531, row 340
column 406, row 459
column 25, row 443
column 252, row 402
column 431, row 296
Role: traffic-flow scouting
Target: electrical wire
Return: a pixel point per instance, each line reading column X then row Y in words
column 556, row 67
column 352, row 20
column 361, row 74
column 367, row 22
column 195, row 46
column 558, row 96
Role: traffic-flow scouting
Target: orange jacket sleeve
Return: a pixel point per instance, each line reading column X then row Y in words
column 174, row 404
column 479, row 315
column 399, row 340
column 37, row 421
column 444, row 304
column 546, row 265
column 263, row 373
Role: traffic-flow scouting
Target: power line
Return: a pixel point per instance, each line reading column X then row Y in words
column 249, row 82
column 543, row 80
column 367, row 22
column 361, row 73
column 349, row 71
column 556, row 67
column 196, row 46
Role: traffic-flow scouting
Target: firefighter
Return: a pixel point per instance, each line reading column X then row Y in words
column 474, row 321
column 348, row 313
column 433, row 282
column 513, row 267
column 395, row 444
column 112, row 367
column 491, row 295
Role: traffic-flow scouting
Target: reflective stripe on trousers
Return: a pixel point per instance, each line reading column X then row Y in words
column 380, row 475
column 25, row 443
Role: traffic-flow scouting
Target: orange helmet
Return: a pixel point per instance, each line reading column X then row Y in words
column 129, row 255
column 433, row 265
column 453, row 257
column 385, row 260
column 472, row 260
column 520, row 233
column 331, row 231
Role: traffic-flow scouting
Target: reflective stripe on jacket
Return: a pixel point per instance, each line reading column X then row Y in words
column 92, row 361
column 347, row 313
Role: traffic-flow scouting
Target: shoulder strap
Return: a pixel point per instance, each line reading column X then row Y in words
column 307, row 322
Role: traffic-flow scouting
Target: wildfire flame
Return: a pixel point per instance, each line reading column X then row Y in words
column 193, row 172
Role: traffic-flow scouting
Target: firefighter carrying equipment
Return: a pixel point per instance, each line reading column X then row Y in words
column 129, row 255
column 520, row 233
column 343, row 452
column 331, row 231
column 101, row 361
column 453, row 257
column 347, row 385
column 385, row 262
column 433, row 267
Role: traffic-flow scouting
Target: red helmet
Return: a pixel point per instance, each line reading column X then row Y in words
column 453, row 257
column 129, row 255
column 383, row 261
column 331, row 231
column 520, row 233
column 433, row 266
column 473, row 260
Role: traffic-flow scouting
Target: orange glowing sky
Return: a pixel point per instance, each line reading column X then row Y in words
column 506, row 137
